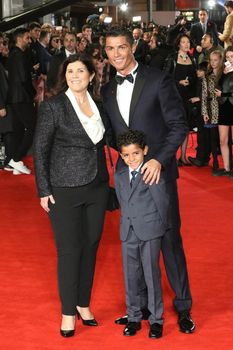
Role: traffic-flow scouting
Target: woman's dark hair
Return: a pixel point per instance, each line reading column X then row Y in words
column 81, row 57
column 131, row 137
column 178, row 40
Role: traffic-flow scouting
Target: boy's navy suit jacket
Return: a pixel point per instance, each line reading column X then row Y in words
column 144, row 207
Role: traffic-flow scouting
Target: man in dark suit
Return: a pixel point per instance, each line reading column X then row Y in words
column 146, row 99
column 57, row 60
column 141, row 46
column 202, row 27
column 21, row 95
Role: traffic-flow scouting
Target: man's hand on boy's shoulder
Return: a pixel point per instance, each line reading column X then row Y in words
column 151, row 171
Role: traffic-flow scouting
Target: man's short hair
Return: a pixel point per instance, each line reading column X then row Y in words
column 228, row 4
column 43, row 34
column 86, row 26
column 202, row 9
column 210, row 36
column 34, row 25
column 19, row 33
column 131, row 137
column 118, row 31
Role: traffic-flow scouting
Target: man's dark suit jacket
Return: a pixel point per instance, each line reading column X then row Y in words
column 141, row 51
column 157, row 110
column 44, row 58
column 20, row 89
column 197, row 33
column 5, row 122
column 64, row 155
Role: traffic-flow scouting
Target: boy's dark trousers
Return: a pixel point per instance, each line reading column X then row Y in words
column 141, row 263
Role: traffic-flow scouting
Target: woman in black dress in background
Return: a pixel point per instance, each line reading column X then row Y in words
column 181, row 65
column 225, row 122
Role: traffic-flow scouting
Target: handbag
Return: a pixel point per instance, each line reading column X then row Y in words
column 113, row 203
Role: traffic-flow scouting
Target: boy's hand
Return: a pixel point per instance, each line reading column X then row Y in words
column 151, row 171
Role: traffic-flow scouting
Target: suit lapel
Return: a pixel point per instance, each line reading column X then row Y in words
column 125, row 180
column 139, row 84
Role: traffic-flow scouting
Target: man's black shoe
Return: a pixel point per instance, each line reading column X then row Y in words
column 156, row 331
column 197, row 162
column 131, row 328
column 185, row 322
column 124, row 319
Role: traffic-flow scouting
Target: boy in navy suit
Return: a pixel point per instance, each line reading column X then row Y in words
column 144, row 220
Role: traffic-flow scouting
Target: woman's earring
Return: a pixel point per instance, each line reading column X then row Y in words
column 90, row 83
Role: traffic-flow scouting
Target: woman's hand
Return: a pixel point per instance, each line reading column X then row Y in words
column 2, row 112
column 151, row 170
column 206, row 118
column 44, row 202
column 218, row 93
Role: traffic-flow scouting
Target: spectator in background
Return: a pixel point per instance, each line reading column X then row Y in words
column 207, row 44
column 202, row 27
column 203, row 149
column 57, row 60
column 5, row 118
column 183, row 68
column 141, row 47
column 54, row 44
column 44, row 56
column 157, row 55
column 209, row 103
column 227, row 34
column 225, row 123
column 82, row 44
column 87, row 32
column 21, row 99
column 35, row 29
column 176, row 30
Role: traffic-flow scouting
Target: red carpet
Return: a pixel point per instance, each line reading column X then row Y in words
column 30, row 309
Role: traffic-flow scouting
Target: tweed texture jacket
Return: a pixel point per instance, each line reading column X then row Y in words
column 64, row 155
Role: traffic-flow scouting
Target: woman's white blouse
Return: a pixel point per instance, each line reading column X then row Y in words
column 93, row 125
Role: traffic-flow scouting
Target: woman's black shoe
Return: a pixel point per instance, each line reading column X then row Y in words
column 67, row 334
column 91, row 322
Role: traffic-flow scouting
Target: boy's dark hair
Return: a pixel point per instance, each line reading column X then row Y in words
column 131, row 137
column 118, row 31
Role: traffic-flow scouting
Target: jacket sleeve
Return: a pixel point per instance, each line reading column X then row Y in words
column 227, row 28
column 173, row 114
column 43, row 141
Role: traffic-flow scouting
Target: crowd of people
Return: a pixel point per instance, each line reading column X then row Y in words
column 71, row 93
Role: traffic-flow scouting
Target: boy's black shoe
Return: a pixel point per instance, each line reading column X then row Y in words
column 132, row 328
column 185, row 322
column 123, row 320
column 156, row 331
